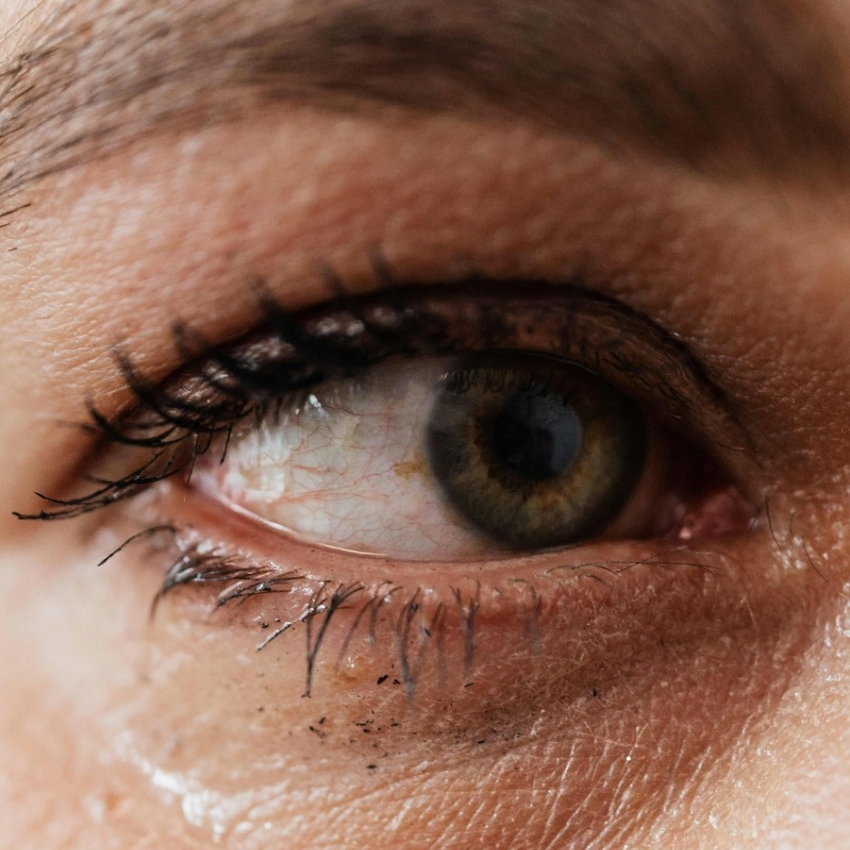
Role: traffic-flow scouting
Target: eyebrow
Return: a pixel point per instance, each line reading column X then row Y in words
column 721, row 86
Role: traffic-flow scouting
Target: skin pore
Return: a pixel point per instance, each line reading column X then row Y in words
column 622, row 693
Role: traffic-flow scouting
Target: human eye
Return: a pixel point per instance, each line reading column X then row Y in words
column 468, row 426
column 435, row 426
column 468, row 645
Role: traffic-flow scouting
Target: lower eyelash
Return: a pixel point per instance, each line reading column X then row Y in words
column 193, row 561
column 414, row 621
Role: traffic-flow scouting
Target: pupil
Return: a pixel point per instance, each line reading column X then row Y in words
column 537, row 434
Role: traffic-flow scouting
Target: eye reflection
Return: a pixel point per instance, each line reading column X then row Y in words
column 442, row 458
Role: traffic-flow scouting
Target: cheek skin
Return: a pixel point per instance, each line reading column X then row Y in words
column 670, row 719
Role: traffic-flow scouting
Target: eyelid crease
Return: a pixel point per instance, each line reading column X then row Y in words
column 174, row 422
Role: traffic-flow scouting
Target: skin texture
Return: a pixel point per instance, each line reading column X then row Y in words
column 696, row 699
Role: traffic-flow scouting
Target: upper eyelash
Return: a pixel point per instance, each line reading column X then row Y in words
column 165, row 418
column 179, row 420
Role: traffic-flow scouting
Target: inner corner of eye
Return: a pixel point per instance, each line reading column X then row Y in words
column 465, row 458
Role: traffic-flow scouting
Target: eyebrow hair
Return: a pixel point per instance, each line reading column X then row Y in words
column 727, row 87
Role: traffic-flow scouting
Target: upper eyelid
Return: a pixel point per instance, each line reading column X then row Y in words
column 676, row 378
column 572, row 300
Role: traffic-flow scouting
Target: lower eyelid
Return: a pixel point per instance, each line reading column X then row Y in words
column 434, row 628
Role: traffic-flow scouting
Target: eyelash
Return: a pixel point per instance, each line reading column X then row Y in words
column 193, row 413
column 222, row 386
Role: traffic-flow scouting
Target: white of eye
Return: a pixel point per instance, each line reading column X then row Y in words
column 346, row 468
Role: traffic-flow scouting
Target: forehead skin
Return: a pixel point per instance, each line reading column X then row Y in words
column 19, row 21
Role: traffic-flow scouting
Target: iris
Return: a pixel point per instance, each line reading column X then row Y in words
column 533, row 451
